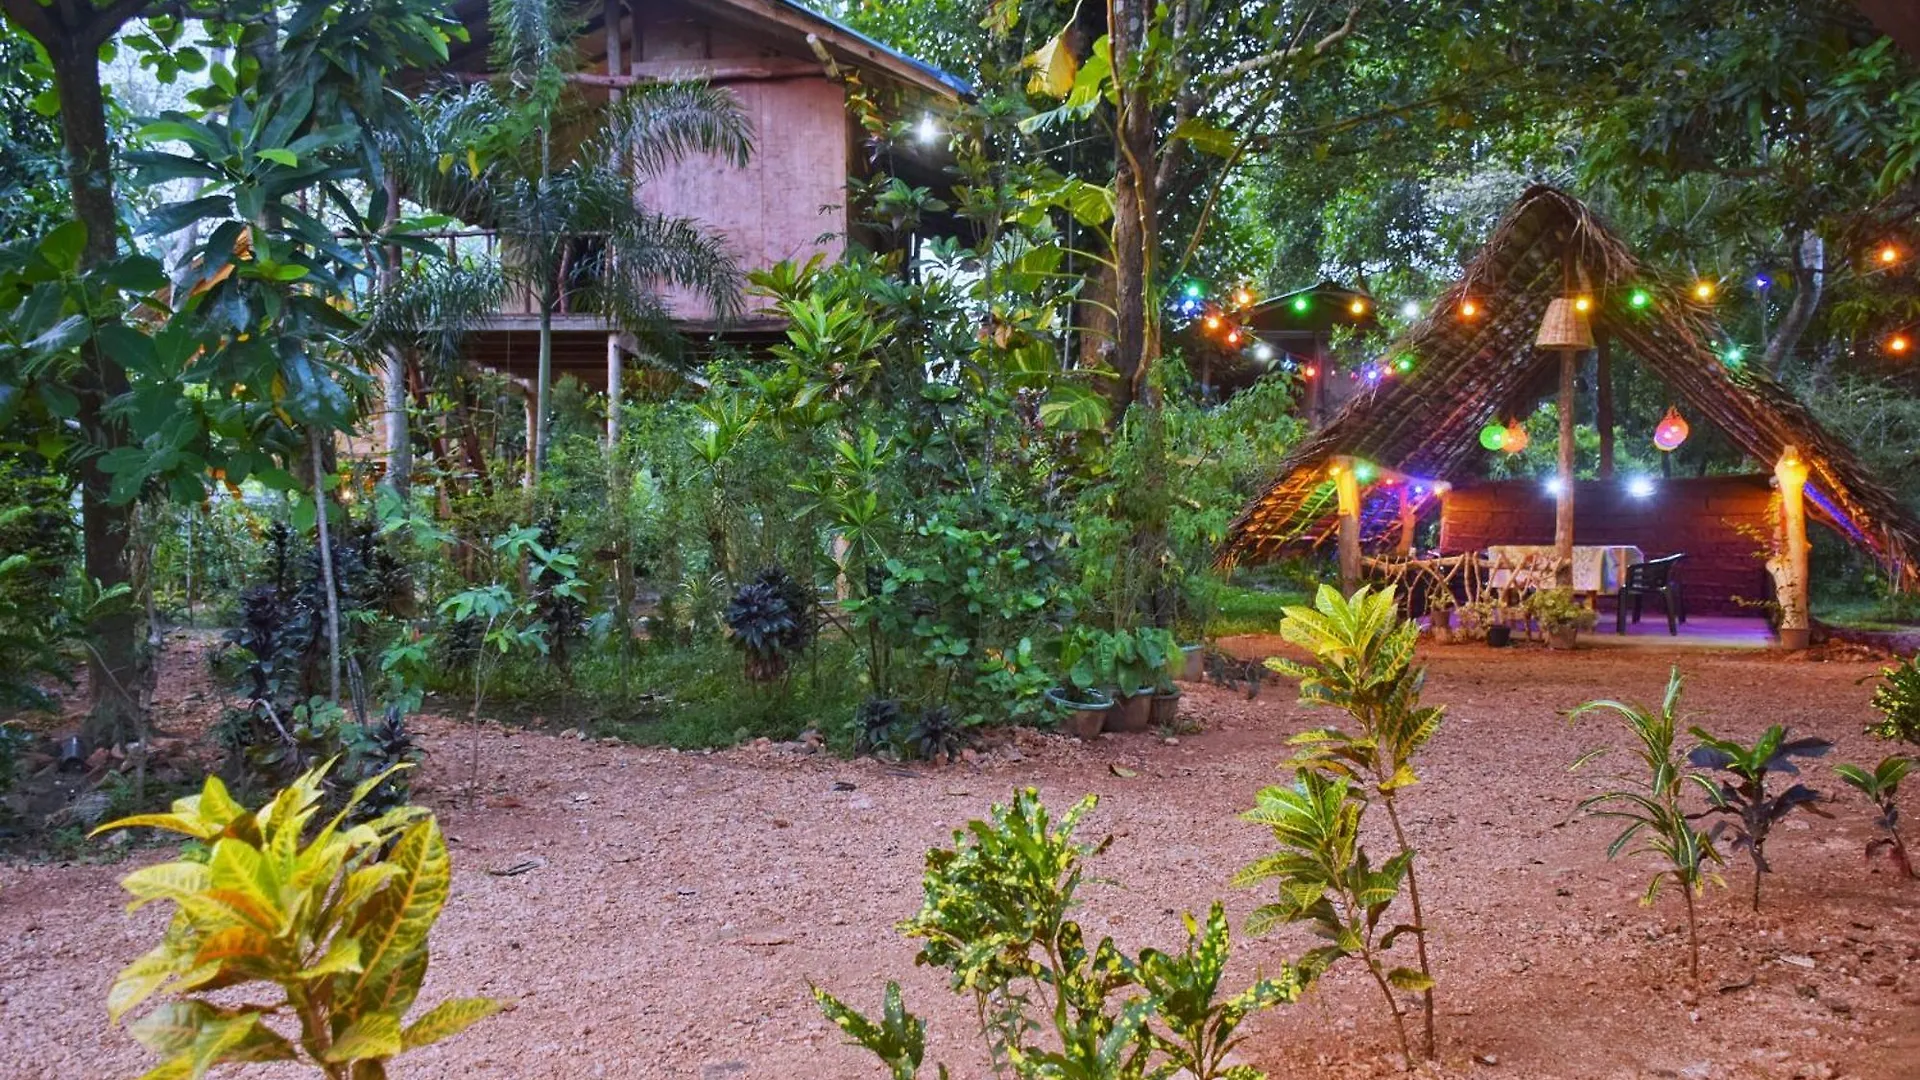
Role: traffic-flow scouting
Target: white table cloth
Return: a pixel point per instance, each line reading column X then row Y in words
column 1596, row 568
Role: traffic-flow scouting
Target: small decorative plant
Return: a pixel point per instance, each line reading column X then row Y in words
column 1882, row 789
column 1326, row 879
column 1652, row 813
column 876, row 725
column 1752, row 809
column 1363, row 665
column 1560, row 616
column 937, row 736
column 1048, row 1003
column 772, row 620
column 1898, row 699
column 333, row 918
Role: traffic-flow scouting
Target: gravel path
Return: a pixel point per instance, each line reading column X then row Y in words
column 677, row 905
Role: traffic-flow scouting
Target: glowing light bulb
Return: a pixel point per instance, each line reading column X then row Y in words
column 1193, row 290
column 1640, row 487
column 929, row 128
column 1263, row 352
column 1639, row 299
column 1358, row 307
column 1404, row 364
column 1363, row 471
column 1469, row 309
column 1300, row 304
column 1554, row 487
column 1582, row 305
column 1213, row 322
column 1898, row 343
column 1734, row 354
column 1233, row 337
column 1243, row 296
column 1761, row 281
column 1889, row 255
column 1309, row 371
column 1703, row 291
column 1410, row 310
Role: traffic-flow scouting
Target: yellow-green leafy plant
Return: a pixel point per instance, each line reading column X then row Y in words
column 335, row 918
column 1363, row 665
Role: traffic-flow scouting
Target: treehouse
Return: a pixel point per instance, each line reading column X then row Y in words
column 801, row 79
column 1552, row 286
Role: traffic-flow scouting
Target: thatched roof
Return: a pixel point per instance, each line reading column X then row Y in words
column 1426, row 423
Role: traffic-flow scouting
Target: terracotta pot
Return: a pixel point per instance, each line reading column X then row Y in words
column 1165, row 709
column 1563, row 638
column 1133, row 713
column 1083, row 718
column 1196, row 663
column 1796, row 640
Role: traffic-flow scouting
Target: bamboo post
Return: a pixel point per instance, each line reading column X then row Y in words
column 1563, row 498
column 1408, row 521
column 1347, row 487
column 1789, row 564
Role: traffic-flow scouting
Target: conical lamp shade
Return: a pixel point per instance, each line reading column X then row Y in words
column 1565, row 327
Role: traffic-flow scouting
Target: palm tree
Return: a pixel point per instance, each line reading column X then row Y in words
column 556, row 175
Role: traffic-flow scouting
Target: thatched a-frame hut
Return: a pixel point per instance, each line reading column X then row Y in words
column 1454, row 374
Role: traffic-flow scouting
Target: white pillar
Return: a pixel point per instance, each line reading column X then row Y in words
column 1790, row 565
column 615, row 369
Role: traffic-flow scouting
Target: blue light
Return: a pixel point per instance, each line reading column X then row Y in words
column 1761, row 281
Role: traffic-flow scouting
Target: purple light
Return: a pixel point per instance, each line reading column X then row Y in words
column 1761, row 281
column 1832, row 511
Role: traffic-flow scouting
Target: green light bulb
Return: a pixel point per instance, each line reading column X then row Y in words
column 1403, row 365
column 1300, row 304
column 1639, row 299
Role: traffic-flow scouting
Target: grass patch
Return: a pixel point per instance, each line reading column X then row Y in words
column 1244, row 610
column 1886, row 613
column 699, row 698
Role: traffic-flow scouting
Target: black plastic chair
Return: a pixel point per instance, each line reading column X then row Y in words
column 1655, row 577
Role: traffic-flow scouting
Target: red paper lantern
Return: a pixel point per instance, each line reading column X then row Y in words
column 1671, row 431
column 1516, row 439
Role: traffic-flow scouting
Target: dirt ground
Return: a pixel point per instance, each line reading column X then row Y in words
column 672, row 908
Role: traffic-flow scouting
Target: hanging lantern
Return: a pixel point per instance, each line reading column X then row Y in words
column 1494, row 435
column 1671, row 431
column 1565, row 326
column 1516, row 439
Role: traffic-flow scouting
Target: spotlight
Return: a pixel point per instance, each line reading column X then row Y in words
column 929, row 128
column 1410, row 310
column 1554, row 487
column 1640, row 487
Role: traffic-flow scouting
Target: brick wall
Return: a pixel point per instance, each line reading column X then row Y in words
column 1692, row 515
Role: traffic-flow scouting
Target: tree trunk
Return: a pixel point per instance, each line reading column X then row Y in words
column 399, row 442
column 1136, row 206
column 543, row 380
column 1809, row 281
column 112, row 662
column 316, row 452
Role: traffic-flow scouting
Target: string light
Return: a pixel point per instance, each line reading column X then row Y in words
column 1300, row 304
column 1358, row 307
column 1762, row 281
column 1703, row 291
column 1213, row 322
column 1639, row 299
column 1363, row 471
column 1404, row 364
column 1243, row 296
column 1309, row 371
column 1233, row 337
column 1193, row 290
column 1734, row 355
column 1469, row 309
column 1263, row 352
column 1898, row 343
column 1410, row 310
column 1582, row 304
column 1889, row 255
column 1494, row 435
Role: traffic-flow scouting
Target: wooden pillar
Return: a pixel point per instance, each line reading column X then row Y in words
column 1789, row 565
column 532, row 473
column 611, row 21
column 1408, row 522
column 1603, row 399
column 615, row 369
column 1563, row 498
column 1347, row 486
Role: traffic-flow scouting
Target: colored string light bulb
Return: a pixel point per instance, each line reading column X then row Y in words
column 1300, row 304
column 1703, row 291
column 1734, row 354
column 1639, row 299
column 1582, row 304
column 1193, row 290
column 1469, row 309
column 1310, row 371
column 1213, row 322
column 1404, row 364
column 1243, row 296
column 1889, row 255
column 1898, row 344
column 1358, row 307
column 1233, row 337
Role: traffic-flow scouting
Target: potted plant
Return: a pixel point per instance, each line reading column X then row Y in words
column 1143, row 661
column 1085, row 661
column 1440, row 612
column 1561, row 617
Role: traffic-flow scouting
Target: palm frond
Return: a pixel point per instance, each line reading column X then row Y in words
column 665, row 123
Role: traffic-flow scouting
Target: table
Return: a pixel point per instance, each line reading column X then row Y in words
column 1596, row 568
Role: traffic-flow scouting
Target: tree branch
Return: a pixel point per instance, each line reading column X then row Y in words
column 1260, row 63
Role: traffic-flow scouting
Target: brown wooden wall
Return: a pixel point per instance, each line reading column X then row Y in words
column 1693, row 515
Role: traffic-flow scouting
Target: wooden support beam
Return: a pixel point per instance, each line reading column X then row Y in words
column 1347, row 486
column 1563, row 497
column 646, row 73
column 1408, row 522
column 1789, row 564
